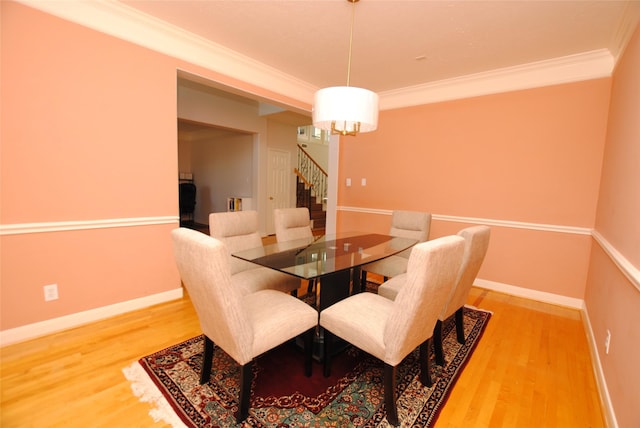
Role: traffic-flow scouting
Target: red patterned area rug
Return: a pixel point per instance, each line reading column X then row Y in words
column 281, row 396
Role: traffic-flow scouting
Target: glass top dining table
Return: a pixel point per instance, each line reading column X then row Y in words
column 333, row 261
column 327, row 254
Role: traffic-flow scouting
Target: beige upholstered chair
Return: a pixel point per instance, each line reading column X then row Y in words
column 243, row 325
column 476, row 242
column 404, row 224
column 293, row 224
column 239, row 231
column 475, row 248
column 391, row 329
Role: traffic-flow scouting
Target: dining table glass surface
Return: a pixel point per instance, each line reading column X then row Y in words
column 327, row 254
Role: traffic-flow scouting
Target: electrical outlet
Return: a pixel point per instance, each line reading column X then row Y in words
column 50, row 292
column 607, row 342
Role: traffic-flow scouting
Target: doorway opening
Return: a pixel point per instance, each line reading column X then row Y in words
column 225, row 144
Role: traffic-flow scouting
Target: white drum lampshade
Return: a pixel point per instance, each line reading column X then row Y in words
column 345, row 110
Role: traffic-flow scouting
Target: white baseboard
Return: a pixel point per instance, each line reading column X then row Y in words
column 540, row 296
column 601, row 383
column 31, row 331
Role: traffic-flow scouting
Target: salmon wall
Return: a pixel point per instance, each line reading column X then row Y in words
column 527, row 163
column 88, row 143
column 88, row 174
column 88, row 168
column 613, row 285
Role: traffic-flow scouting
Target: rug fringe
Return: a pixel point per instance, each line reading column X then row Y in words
column 144, row 388
column 475, row 308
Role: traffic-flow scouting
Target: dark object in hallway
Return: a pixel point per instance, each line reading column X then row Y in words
column 187, row 196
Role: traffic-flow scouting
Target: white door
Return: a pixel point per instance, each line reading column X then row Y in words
column 279, row 172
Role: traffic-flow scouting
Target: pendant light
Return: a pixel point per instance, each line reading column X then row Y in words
column 346, row 110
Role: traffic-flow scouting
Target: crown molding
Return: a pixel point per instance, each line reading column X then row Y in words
column 572, row 68
column 628, row 22
column 124, row 22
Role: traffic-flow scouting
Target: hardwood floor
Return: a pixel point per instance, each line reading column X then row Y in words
column 531, row 369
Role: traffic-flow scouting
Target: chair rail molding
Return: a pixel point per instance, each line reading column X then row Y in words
column 62, row 226
column 631, row 272
column 485, row 221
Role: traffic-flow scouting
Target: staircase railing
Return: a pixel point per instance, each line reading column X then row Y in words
column 303, row 195
column 312, row 174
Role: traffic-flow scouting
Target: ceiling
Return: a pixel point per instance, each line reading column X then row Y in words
column 399, row 43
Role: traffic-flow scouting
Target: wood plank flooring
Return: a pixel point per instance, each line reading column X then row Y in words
column 531, row 369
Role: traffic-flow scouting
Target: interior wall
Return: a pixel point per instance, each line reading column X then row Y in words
column 88, row 131
column 320, row 153
column 200, row 104
column 184, row 154
column 88, row 161
column 316, row 148
column 240, row 116
column 222, row 168
column 527, row 161
column 88, row 149
column 613, row 285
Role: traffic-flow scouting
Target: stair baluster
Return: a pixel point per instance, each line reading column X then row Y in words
column 311, row 189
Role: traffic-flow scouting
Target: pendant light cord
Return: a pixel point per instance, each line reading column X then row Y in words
column 353, row 14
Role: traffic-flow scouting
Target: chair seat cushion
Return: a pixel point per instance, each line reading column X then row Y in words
column 360, row 320
column 388, row 267
column 262, row 278
column 276, row 317
column 390, row 289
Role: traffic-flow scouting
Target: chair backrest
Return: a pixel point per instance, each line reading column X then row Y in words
column 203, row 263
column 238, row 230
column 410, row 224
column 292, row 224
column 476, row 243
column 431, row 274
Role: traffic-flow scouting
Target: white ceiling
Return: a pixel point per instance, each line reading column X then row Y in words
column 399, row 43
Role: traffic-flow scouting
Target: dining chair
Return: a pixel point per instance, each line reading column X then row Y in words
column 476, row 243
column 243, row 325
column 391, row 329
column 239, row 231
column 404, row 224
column 292, row 224
column 475, row 249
